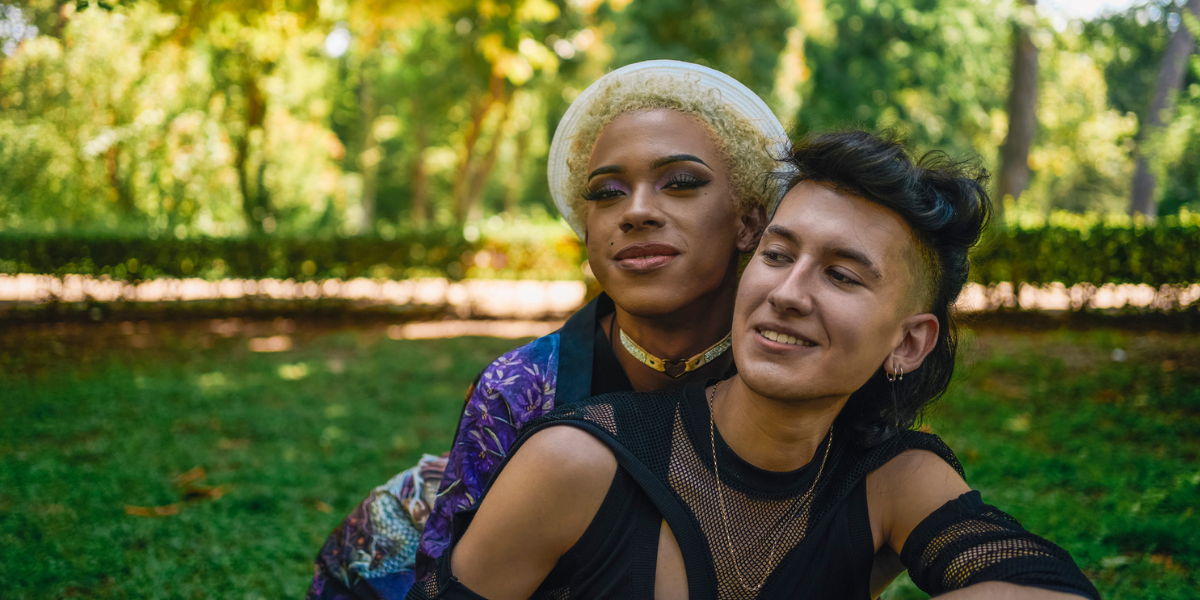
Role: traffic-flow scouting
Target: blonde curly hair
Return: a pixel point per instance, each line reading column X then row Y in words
column 745, row 149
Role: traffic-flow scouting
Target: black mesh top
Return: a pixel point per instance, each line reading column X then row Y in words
column 824, row 548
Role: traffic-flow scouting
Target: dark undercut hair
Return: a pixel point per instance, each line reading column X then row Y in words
column 945, row 202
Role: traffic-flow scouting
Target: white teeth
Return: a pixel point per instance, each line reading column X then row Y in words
column 783, row 338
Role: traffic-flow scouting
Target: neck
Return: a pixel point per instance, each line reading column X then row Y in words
column 681, row 334
column 772, row 434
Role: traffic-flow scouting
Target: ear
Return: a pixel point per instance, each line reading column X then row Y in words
column 920, row 336
column 750, row 228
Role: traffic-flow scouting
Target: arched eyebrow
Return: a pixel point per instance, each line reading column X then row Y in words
column 855, row 256
column 674, row 158
column 657, row 164
column 605, row 170
column 840, row 251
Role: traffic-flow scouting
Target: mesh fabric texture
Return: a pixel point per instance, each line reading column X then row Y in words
column 967, row 542
column 822, row 544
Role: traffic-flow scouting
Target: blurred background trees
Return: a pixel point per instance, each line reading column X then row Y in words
column 303, row 118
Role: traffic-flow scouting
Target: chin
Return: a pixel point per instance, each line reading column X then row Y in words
column 774, row 381
column 657, row 294
column 650, row 299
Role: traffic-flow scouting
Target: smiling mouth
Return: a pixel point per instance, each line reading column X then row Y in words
column 646, row 256
column 783, row 338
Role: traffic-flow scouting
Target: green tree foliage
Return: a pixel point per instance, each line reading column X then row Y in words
column 1130, row 46
column 721, row 34
column 178, row 118
column 934, row 68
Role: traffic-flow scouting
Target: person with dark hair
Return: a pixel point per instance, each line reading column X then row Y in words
column 786, row 478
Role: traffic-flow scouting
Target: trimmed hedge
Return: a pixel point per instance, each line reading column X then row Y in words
column 1167, row 253
column 134, row 259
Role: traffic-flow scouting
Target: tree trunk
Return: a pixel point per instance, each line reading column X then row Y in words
column 124, row 196
column 466, row 158
column 254, row 206
column 474, row 199
column 420, row 205
column 1022, row 116
column 1170, row 79
column 517, row 175
column 370, row 155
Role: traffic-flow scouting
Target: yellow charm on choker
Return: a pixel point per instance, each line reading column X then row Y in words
column 676, row 367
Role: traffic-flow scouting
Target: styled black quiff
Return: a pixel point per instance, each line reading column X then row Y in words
column 945, row 202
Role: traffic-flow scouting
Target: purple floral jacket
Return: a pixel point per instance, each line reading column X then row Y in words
column 374, row 552
column 515, row 389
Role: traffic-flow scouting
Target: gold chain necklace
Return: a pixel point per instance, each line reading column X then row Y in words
column 804, row 500
column 675, row 368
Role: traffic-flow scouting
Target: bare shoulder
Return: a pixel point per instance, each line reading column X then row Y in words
column 539, row 506
column 905, row 490
column 558, row 477
column 913, row 471
column 566, row 455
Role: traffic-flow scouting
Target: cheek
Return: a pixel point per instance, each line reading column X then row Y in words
column 863, row 342
column 752, row 292
column 710, row 230
column 595, row 226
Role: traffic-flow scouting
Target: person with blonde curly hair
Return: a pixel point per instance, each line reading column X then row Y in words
column 667, row 171
column 786, row 478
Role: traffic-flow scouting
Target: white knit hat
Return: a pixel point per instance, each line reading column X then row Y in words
column 737, row 97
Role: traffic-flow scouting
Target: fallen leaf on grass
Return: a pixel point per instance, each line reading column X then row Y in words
column 1164, row 560
column 203, row 492
column 196, row 473
column 190, row 488
column 321, row 506
column 152, row 511
column 236, row 444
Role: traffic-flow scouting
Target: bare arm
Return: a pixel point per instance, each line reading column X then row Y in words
column 908, row 489
column 540, row 505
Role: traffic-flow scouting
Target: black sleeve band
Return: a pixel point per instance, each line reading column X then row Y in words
column 967, row 542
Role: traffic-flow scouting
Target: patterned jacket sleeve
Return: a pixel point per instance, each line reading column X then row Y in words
column 514, row 389
column 370, row 554
column 967, row 542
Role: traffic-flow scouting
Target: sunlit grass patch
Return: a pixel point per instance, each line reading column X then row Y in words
column 101, row 448
column 99, row 495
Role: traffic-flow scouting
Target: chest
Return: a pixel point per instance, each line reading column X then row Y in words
column 633, row 550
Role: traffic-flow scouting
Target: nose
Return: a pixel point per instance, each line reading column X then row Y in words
column 642, row 210
column 793, row 294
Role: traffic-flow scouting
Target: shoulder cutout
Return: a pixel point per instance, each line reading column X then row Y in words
column 905, row 490
column 541, row 503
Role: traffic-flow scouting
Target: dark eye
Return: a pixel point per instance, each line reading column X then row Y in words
column 684, row 181
column 772, row 256
column 841, row 277
column 604, row 192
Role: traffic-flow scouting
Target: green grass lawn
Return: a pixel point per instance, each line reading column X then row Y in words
column 1097, row 455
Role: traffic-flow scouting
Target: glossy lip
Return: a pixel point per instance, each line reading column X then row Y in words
column 780, row 347
column 645, row 256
